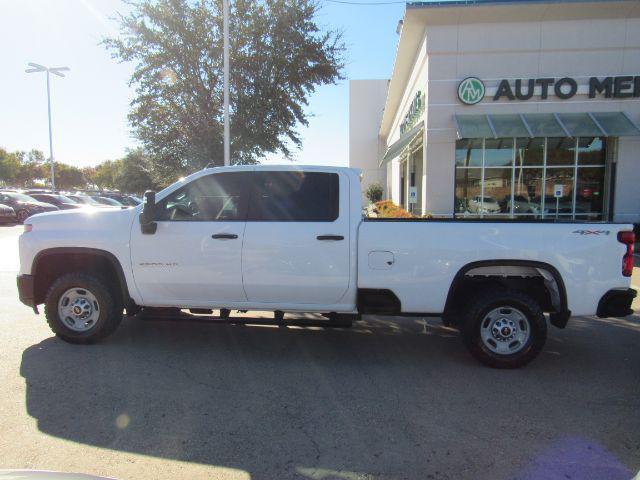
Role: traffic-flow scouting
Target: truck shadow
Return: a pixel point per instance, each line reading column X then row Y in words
column 386, row 399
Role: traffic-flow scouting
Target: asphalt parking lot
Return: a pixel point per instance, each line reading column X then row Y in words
column 386, row 399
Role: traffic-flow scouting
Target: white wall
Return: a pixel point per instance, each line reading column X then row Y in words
column 366, row 104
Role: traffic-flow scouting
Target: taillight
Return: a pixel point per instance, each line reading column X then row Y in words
column 28, row 227
column 628, row 238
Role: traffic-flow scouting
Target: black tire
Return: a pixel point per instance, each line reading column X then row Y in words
column 22, row 215
column 484, row 303
column 109, row 311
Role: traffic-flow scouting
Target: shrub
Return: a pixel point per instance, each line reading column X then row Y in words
column 388, row 209
column 374, row 192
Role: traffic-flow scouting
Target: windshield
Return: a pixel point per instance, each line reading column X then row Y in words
column 86, row 200
column 64, row 199
column 108, row 201
column 21, row 197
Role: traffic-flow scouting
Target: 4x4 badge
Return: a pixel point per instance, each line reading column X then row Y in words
column 592, row 232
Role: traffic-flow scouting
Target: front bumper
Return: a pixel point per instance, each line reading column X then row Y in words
column 26, row 290
column 616, row 303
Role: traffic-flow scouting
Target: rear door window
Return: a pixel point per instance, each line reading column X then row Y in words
column 294, row 197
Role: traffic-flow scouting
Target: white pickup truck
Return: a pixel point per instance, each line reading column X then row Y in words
column 293, row 239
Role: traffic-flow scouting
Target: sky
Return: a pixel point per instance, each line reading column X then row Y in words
column 90, row 105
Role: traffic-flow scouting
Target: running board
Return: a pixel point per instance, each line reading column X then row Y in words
column 175, row 315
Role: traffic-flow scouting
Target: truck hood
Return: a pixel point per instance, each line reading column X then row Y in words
column 82, row 218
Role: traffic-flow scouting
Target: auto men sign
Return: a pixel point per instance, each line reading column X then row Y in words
column 472, row 90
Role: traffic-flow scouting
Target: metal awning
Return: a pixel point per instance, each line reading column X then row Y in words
column 591, row 124
column 405, row 139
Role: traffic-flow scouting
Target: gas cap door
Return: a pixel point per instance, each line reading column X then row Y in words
column 381, row 260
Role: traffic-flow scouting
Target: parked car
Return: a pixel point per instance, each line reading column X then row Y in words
column 480, row 204
column 293, row 239
column 61, row 201
column 127, row 200
column 7, row 214
column 522, row 205
column 37, row 190
column 108, row 201
column 88, row 200
column 24, row 205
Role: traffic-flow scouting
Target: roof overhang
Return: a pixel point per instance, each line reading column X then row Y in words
column 590, row 124
column 419, row 15
column 403, row 142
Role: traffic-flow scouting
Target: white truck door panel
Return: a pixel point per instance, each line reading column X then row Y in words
column 296, row 244
column 181, row 264
column 194, row 257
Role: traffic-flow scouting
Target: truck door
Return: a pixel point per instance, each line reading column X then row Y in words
column 193, row 258
column 296, row 245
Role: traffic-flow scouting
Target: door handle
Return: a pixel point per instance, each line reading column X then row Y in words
column 330, row 237
column 224, row 236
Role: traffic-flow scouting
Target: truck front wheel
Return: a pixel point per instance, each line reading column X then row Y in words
column 504, row 329
column 81, row 308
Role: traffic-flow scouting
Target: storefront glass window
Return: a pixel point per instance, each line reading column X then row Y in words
column 497, row 191
column 529, row 152
column 498, row 152
column 520, row 178
column 561, row 151
column 469, row 152
column 468, row 187
column 589, row 193
column 591, row 151
column 527, row 192
column 562, row 178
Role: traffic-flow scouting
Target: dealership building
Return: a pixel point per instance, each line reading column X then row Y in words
column 507, row 109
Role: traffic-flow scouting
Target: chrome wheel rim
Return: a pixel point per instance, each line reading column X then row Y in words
column 505, row 330
column 78, row 309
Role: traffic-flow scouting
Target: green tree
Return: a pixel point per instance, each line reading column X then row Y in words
column 68, row 177
column 134, row 175
column 33, row 169
column 9, row 167
column 278, row 56
column 104, row 174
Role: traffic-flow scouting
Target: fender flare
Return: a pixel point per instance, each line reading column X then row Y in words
column 457, row 279
column 111, row 258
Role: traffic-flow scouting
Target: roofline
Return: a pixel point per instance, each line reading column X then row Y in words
column 475, row 3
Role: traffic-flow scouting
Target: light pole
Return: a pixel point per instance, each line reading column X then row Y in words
column 225, row 74
column 56, row 71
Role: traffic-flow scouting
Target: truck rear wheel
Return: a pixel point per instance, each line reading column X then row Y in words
column 504, row 329
column 81, row 308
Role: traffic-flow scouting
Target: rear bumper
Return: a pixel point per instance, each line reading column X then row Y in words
column 616, row 303
column 26, row 290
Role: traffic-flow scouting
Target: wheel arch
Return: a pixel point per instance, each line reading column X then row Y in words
column 559, row 313
column 79, row 256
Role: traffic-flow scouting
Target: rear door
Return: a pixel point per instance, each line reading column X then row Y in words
column 296, row 244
